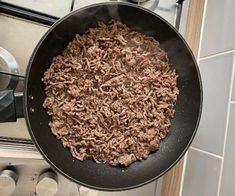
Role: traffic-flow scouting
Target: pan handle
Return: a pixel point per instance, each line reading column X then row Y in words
column 11, row 105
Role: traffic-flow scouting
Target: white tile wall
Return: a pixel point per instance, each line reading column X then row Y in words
column 208, row 174
column 219, row 28
column 228, row 178
column 216, row 77
column 22, row 48
column 52, row 7
column 201, row 175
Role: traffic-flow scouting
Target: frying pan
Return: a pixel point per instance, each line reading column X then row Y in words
column 187, row 111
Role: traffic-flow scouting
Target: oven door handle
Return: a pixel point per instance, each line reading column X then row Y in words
column 11, row 105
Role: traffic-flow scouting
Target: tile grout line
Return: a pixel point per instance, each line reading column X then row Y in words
column 217, row 54
column 207, row 153
column 197, row 58
column 226, row 126
column 232, row 102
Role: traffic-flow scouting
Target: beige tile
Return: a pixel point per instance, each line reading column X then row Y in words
column 52, row 7
column 20, row 38
column 201, row 175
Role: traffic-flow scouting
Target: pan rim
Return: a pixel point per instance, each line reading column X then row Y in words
column 25, row 98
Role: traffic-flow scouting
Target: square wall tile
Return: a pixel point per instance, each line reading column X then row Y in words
column 201, row 174
column 20, row 37
column 216, row 77
column 228, row 177
column 219, row 28
column 52, row 7
column 147, row 190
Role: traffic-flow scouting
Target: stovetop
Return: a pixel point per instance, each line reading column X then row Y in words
column 21, row 29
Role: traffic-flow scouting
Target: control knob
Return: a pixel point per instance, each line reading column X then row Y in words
column 8, row 179
column 47, row 184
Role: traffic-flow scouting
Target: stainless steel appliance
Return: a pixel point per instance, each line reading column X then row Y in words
column 22, row 169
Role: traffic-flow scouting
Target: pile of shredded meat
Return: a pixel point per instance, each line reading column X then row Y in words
column 111, row 95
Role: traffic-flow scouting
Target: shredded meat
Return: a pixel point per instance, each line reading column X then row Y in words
column 111, row 95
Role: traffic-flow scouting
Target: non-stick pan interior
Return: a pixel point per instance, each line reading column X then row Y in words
column 188, row 108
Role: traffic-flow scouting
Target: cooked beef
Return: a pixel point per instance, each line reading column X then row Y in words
column 111, row 95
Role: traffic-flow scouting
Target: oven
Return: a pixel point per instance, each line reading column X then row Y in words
column 23, row 171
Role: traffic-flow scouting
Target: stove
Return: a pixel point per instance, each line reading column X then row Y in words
column 22, row 169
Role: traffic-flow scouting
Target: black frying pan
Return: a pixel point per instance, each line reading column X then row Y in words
column 184, row 124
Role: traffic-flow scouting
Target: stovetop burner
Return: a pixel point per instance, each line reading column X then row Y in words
column 8, row 70
column 25, row 23
column 9, row 75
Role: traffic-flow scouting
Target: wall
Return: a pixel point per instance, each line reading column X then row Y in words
column 209, row 169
